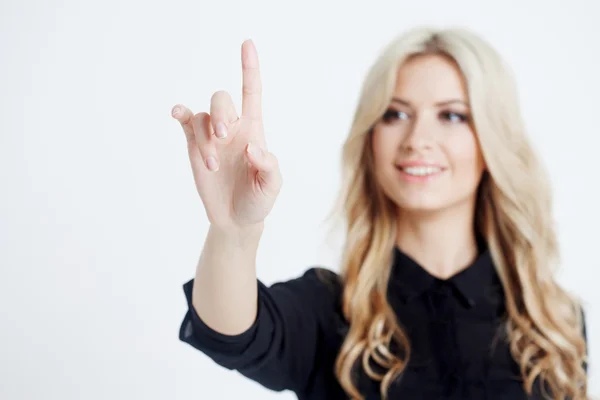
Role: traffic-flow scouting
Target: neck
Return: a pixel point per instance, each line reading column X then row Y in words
column 443, row 243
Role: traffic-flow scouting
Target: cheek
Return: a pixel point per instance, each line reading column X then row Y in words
column 465, row 156
column 384, row 154
column 384, row 147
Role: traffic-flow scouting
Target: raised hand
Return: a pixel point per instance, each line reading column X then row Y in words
column 236, row 177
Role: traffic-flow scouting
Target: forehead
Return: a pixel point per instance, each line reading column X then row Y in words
column 430, row 78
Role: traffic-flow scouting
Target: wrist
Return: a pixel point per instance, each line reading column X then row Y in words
column 247, row 235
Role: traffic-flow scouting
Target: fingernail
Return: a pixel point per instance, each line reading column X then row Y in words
column 254, row 150
column 220, row 130
column 212, row 164
column 176, row 111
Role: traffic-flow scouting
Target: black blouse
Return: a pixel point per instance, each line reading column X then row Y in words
column 458, row 348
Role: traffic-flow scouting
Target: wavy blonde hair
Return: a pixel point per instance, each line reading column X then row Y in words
column 544, row 323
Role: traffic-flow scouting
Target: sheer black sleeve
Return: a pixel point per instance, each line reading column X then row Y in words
column 286, row 342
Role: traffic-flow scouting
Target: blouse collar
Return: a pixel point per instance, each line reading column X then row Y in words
column 478, row 283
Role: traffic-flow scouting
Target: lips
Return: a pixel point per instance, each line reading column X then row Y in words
column 418, row 163
column 421, row 170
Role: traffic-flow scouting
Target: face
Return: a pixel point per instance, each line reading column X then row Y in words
column 426, row 155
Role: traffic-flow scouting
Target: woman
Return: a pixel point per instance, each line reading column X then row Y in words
column 446, row 288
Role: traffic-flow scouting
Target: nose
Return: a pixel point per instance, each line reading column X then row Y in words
column 418, row 136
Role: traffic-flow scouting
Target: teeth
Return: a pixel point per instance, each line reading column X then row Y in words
column 421, row 171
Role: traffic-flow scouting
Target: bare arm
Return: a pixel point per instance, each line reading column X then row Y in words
column 238, row 180
column 273, row 335
column 225, row 288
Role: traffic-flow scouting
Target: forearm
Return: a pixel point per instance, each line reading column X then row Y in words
column 225, row 288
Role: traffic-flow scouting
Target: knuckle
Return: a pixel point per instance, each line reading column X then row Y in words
column 186, row 115
column 190, row 138
column 199, row 117
column 198, row 124
column 251, row 90
column 200, row 141
column 219, row 94
column 205, row 151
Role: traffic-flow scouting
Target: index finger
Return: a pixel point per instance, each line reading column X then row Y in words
column 251, row 83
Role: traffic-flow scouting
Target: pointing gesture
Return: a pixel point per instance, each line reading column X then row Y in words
column 236, row 177
column 251, row 83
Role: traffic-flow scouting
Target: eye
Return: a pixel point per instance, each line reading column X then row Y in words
column 453, row 117
column 393, row 115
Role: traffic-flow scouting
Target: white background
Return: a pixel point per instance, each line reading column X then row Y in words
column 100, row 222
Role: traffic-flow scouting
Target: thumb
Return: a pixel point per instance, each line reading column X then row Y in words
column 268, row 168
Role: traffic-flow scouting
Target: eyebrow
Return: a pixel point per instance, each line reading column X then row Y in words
column 439, row 104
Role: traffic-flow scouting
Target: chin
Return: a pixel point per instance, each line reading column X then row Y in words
column 420, row 208
column 420, row 205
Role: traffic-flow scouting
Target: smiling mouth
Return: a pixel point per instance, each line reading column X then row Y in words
column 421, row 171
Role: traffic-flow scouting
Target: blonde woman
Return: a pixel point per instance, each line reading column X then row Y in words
column 446, row 289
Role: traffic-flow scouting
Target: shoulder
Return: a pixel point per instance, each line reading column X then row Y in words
column 317, row 290
column 324, row 276
column 315, row 283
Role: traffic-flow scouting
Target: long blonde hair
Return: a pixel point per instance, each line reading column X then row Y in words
column 544, row 323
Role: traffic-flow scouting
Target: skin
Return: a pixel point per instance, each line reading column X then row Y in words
column 428, row 120
column 238, row 180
